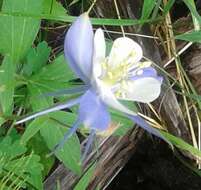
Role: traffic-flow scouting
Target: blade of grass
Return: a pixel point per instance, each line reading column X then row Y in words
column 168, row 6
column 195, row 15
column 147, row 8
column 95, row 21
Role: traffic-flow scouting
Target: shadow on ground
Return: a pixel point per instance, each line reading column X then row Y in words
column 154, row 167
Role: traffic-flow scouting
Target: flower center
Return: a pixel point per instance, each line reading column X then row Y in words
column 121, row 72
column 113, row 75
column 119, row 77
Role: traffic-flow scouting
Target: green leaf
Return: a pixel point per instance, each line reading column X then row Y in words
column 65, row 118
column 38, row 145
column 53, row 7
column 2, row 120
column 33, row 128
column 84, row 181
column 15, row 167
column 50, row 78
column 36, row 99
column 28, row 165
column 11, row 149
column 124, row 123
column 52, row 132
column 31, row 135
column 18, row 33
column 7, row 83
column 120, row 119
column 36, row 58
column 54, row 76
column 179, row 143
column 147, row 8
column 194, row 36
column 156, row 9
column 190, row 4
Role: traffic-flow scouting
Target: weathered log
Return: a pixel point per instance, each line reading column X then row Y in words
column 113, row 153
column 192, row 62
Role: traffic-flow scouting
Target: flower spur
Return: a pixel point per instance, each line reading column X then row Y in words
column 120, row 76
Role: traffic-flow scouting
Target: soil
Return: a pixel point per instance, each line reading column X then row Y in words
column 154, row 167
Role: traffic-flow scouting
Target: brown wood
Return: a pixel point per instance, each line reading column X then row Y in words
column 192, row 62
column 113, row 153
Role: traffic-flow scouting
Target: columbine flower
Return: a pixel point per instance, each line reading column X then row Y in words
column 120, row 76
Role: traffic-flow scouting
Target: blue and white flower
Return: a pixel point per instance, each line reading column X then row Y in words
column 120, row 76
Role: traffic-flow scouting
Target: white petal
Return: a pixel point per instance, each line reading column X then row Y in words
column 99, row 52
column 99, row 44
column 125, row 49
column 143, row 90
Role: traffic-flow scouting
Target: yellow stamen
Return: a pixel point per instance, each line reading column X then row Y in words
column 110, row 75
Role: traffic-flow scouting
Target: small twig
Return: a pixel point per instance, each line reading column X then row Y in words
column 91, row 7
column 154, row 111
column 151, row 121
column 199, row 137
column 131, row 34
column 178, row 54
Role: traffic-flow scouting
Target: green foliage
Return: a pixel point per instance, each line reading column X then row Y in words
column 53, row 131
column 52, row 128
column 32, row 129
column 17, row 169
column 18, row 33
column 54, row 76
column 194, row 36
column 147, row 9
column 7, row 84
column 68, row 18
column 179, row 143
column 123, row 122
column 84, row 181
column 191, row 5
column 38, row 145
column 41, row 78
column 50, row 78
column 36, row 59
column 53, row 7
column 17, row 36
